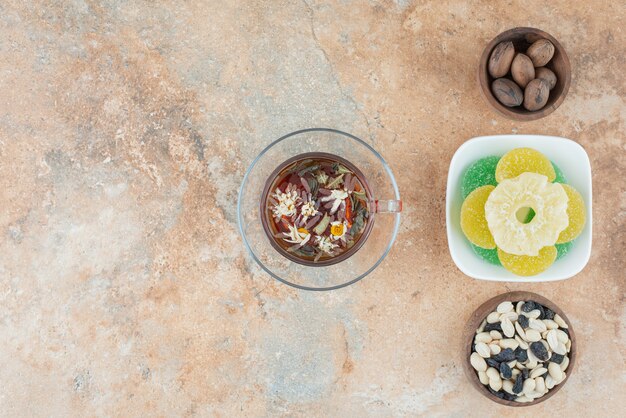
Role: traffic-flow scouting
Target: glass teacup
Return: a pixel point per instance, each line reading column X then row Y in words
column 273, row 230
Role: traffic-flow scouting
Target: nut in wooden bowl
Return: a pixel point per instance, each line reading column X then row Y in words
column 519, row 349
column 549, row 62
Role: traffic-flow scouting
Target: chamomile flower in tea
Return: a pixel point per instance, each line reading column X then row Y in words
column 318, row 208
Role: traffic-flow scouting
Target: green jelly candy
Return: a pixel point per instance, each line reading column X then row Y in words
column 490, row 256
column 480, row 173
column 562, row 249
column 560, row 177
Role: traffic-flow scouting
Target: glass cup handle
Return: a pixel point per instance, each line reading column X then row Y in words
column 387, row 206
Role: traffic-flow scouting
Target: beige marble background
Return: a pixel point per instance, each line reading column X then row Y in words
column 125, row 130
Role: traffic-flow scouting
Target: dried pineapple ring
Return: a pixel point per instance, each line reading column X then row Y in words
column 522, row 160
column 473, row 222
column 548, row 200
column 576, row 215
column 524, row 265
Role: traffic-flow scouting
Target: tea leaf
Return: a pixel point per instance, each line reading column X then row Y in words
column 321, row 227
column 335, row 182
column 338, row 168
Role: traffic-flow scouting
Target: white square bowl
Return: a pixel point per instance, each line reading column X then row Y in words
column 569, row 156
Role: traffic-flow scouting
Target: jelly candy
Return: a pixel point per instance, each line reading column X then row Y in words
column 563, row 249
column 481, row 173
column 490, row 256
column 473, row 222
column 525, row 265
column 548, row 200
column 575, row 213
column 522, row 160
column 560, row 177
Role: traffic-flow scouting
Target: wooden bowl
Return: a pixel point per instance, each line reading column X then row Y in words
column 473, row 324
column 522, row 38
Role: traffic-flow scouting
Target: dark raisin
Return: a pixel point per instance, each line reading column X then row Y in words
column 557, row 358
column 505, row 371
column 566, row 331
column 528, row 306
column 493, row 327
column 509, row 397
column 539, row 350
column 520, row 354
column 499, row 394
column 523, row 321
column 549, row 313
column 525, row 373
column 505, row 355
column 519, row 383
column 473, row 347
column 493, row 363
column 542, row 311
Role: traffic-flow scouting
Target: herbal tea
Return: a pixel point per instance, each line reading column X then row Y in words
column 317, row 209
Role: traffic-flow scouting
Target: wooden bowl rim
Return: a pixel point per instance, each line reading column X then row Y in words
column 481, row 313
column 483, row 78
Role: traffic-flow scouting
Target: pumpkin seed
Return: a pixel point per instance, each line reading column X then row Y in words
column 534, row 314
column 483, row 337
column 483, row 350
column 493, row 317
column 560, row 321
column 564, row 363
column 529, row 386
column 511, row 315
column 478, row 363
column 507, row 386
column 495, row 384
column 508, row 343
column 553, row 341
column 495, row 349
column 518, row 307
column 520, row 330
column 507, row 327
column 550, row 324
column 537, row 325
column 562, row 336
column 555, row 371
column 504, row 307
column 492, row 373
column 538, row 371
column 540, row 385
column 481, row 327
column 495, row 335
column 532, row 335
column 560, row 349
column 484, row 379
column 521, row 342
column 550, row 383
column 523, row 399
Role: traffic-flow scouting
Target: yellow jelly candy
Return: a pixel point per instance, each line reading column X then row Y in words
column 527, row 265
column 473, row 221
column 575, row 213
column 303, row 230
column 522, row 160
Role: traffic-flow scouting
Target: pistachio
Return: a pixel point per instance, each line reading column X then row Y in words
column 536, row 96
column 540, row 52
column 501, row 59
column 546, row 74
column 522, row 70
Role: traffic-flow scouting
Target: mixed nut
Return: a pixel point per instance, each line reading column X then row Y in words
column 530, row 80
column 520, row 351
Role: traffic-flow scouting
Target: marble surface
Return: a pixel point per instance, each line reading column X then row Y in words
column 125, row 130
